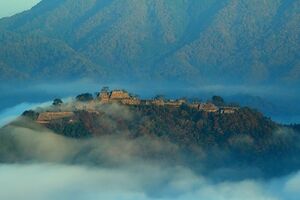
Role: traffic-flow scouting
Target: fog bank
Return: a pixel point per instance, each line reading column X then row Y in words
column 140, row 182
column 38, row 164
column 274, row 101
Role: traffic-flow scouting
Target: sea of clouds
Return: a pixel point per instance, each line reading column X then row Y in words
column 137, row 182
column 42, row 165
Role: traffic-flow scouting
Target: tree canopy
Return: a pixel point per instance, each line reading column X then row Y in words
column 85, row 97
column 218, row 101
column 57, row 102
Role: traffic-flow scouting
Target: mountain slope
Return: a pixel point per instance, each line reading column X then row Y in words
column 8, row 73
column 228, row 40
column 39, row 58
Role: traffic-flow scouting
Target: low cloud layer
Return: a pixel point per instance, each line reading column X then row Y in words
column 55, row 167
column 138, row 182
column 12, row 113
column 274, row 101
column 42, row 165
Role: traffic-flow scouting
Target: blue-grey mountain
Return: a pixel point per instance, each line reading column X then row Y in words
column 237, row 41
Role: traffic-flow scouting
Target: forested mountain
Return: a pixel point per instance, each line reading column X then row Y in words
column 40, row 57
column 239, row 41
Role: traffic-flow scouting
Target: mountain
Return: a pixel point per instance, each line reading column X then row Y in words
column 40, row 57
column 235, row 41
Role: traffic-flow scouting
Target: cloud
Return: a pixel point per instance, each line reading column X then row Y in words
column 137, row 182
column 48, row 166
column 25, row 141
column 12, row 113
column 275, row 101
column 291, row 187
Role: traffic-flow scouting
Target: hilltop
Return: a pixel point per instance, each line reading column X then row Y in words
column 235, row 41
column 86, row 102
column 218, row 135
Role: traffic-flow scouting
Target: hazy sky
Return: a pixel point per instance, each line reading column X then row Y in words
column 10, row 7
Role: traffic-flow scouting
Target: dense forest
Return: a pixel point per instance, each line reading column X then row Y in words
column 230, row 41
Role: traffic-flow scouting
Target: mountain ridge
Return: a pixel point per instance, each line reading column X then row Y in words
column 256, row 42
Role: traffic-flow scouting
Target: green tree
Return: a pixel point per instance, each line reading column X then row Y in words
column 218, row 101
column 85, row 97
column 31, row 114
column 105, row 89
column 159, row 97
column 57, row 102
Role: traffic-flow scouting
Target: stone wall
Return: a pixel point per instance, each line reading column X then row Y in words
column 158, row 102
column 208, row 107
column 131, row 101
column 123, row 97
column 173, row 103
column 228, row 110
column 46, row 117
column 104, row 97
column 118, row 94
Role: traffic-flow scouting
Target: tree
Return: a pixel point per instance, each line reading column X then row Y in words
column 85, row 97
column 31, row 114
column 134, row 96
column 105, row 89
column 97, row 94
column 218, row 101
column 159, row 97
column 57, row 102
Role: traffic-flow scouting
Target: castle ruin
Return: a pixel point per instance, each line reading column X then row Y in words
column 123, row 97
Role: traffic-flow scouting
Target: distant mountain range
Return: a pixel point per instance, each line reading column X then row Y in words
column 237, row 41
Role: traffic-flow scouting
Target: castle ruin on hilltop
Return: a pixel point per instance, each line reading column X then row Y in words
column 118, row 96
column 123, row 97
